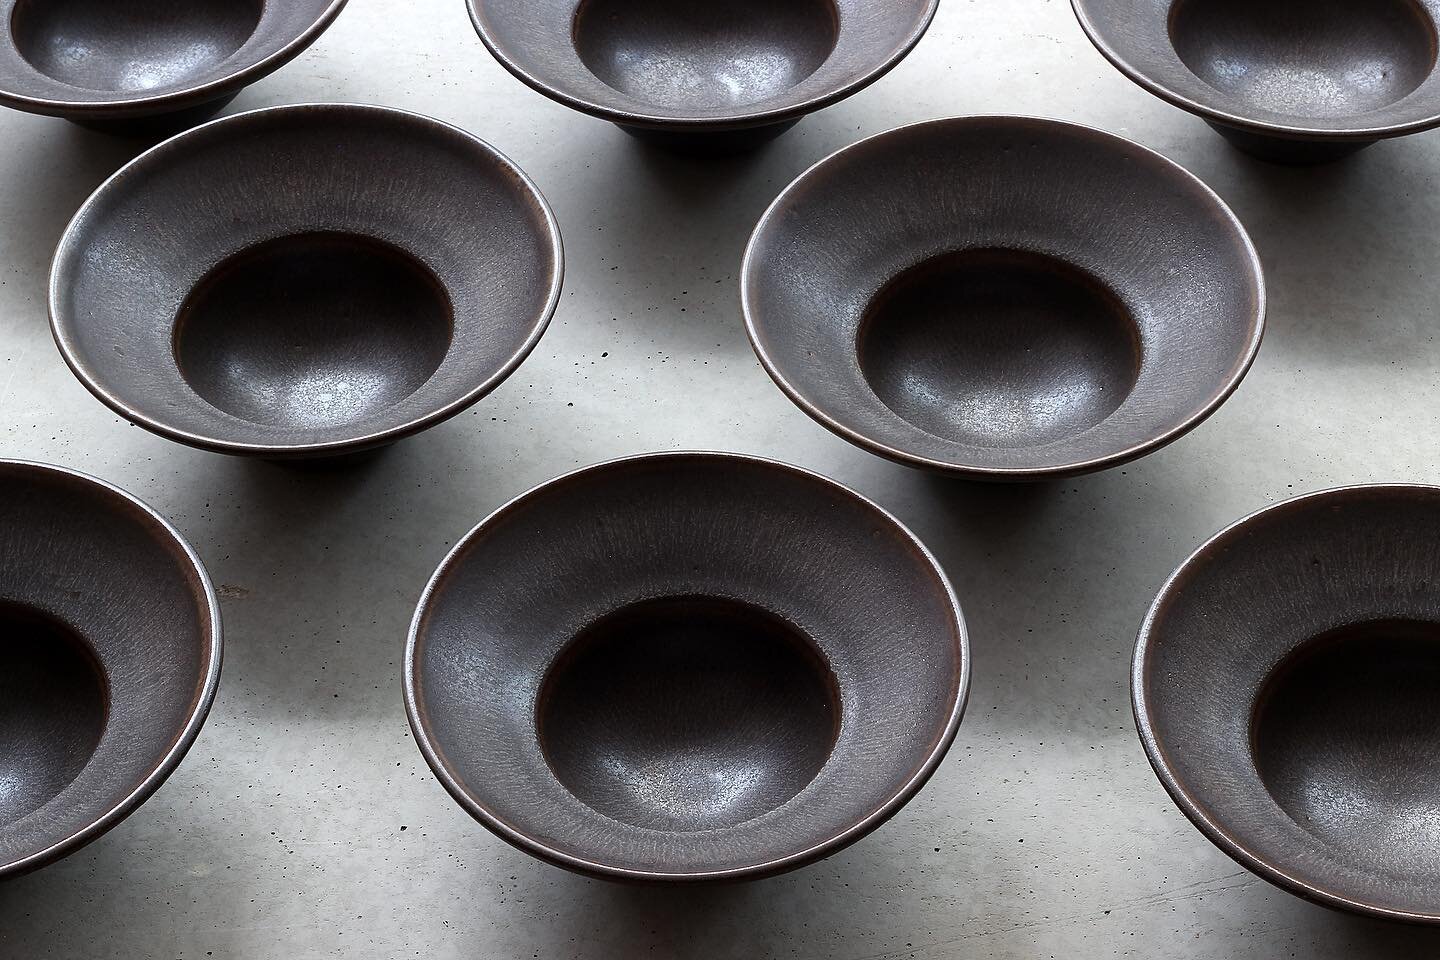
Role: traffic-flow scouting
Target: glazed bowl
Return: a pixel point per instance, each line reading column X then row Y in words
column 1285, row 690
column 147, row 66
column 1003, row 298
column 305, row 281
column 684, row 667
column 1284, row 81
column 700, row 76
column 110, row 660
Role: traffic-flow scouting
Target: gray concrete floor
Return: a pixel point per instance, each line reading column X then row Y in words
column 304, row 823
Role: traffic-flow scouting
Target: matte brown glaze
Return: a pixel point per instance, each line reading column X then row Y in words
column 1288, row 82
column 1285, row 690
column 1003, row 298
column 686, row 666
column 307, row 281
column 694, row 76
column 147, row 66
column 109, row 659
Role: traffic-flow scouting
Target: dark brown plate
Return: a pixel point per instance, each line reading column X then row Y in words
column 1285, row 81
column 305, row 281
column 1287, row 690
column 686, row 666
column 147, row 65
column 702, row 76
column 1003, row 298
column 109, row 659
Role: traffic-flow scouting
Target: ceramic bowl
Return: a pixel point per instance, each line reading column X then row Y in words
column 1003, row 298
column 1284, row 81
column 147, row 66
column 110, row 659
column 684, row 667
column 305, row 281
column 700, row 76
column 1285, row 688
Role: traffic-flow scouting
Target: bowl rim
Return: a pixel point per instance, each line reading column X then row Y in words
column 526, row 188
column 772, row 213
column 742, row 119
column 199, row 707
column 1211, row 826
column 137, row 106
column 415, row 709
column 1287, row 131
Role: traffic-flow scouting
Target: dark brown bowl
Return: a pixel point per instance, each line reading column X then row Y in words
column 1003, row 298
column 147, row 66
column 305, row 281
column 109, row 659
column 688, row 666
column 1282, row 80
column 700, row 76
column 1287, row 690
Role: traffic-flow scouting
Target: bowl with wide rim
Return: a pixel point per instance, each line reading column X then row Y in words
column 1288, row 82
column 700, row 76
column 263, row 285
column 686, row 667
column 1284, row 690
column 110, row 663
column 1003, row 298
column 135, row 66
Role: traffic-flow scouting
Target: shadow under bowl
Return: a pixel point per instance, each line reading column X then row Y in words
column 109, row 659
column 270, row 287
column 685, row 667
column 1285, row 690
column 1003, row 298
column 700, row 77
column 1287, row 82
column 147, row 68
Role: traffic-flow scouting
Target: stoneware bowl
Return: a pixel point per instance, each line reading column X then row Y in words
column 700, row 76
column 1285, row 688
column 1282, row 80
column 109, row 664
column 685, row 667
column 147, row 66
column 1003, row 298
column 305, row 281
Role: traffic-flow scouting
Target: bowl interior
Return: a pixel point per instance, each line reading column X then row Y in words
column 1329, row 59
column 1288, row 679
column 107, row 660
column 1312, row 70
column 704, row 56
column 686, row 666
column 1003, row 296
column 267, row 285
column 93, row 52
column 740, row 63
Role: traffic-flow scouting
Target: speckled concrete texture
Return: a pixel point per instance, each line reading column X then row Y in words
column 304, row 823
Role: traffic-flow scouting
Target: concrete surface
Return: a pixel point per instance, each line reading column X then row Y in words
column 304, row 823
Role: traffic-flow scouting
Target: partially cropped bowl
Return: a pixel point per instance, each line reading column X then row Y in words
column 1003, row 298
column 700, row 76
column 305, row 281
column 110, row 659
column 147, row 67
column 1287, row 690
column 1285, row 81
column 685, row 667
